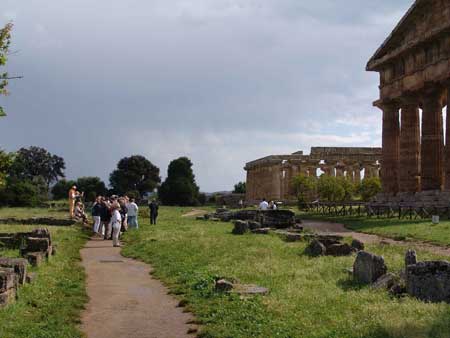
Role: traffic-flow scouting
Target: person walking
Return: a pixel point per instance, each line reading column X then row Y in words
column 96, row 214
column 133, row 211
column 116, row 223
column 153, row 211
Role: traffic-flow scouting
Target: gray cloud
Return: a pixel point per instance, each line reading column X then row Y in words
column 221, row 81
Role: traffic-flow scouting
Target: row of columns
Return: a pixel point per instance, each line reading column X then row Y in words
column 413, row 162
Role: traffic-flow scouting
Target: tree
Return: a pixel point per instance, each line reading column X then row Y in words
column 91, row 186
column 179, row 188
column 239, row 188
column 134, row 173
column 6, row 160
column 330, row 189
column 349, row 188
column 61, row 189
column 305, row 188
column 5, row 42
column 369, row 188
column 22, row 193
column 34, row 162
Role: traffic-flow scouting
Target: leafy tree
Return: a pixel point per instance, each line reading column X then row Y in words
column 5, row 42
column 6, row 160
column 330, row 189
column 61, row 189
column 35, row 162
column 134, row 173
column 91, row 186
column 239, row 188
column 348, row 186
column 305, row 188
column 179, row 188
column 370, row 187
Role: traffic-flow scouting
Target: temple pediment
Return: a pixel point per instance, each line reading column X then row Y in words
column 425, row 20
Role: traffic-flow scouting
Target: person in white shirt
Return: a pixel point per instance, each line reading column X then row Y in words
column 133, row 211
column 264, row 205
column 116, row 223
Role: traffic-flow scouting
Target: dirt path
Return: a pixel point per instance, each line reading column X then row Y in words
column 195, row 212
column 340, row 229
column 125, row 301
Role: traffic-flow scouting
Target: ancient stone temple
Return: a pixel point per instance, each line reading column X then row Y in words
column 271, row 177
column 414, row 67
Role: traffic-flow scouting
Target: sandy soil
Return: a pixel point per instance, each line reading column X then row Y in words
column 339, row 229
column 195, row 213
column 125, row 301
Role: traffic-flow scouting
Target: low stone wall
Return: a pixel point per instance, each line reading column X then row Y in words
column 51, row 221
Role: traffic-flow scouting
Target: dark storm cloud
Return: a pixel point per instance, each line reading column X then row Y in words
column 221, row 81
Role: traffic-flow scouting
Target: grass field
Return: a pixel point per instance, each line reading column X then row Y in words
column 310, row 297
column 422, row 230
column 50, row 307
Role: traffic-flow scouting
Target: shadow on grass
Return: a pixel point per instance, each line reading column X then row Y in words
column 350, row 284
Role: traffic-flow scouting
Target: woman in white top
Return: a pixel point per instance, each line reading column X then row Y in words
column 116, row 223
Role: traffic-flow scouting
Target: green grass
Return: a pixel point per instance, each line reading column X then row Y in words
column 423, row 230
column 33, row 212
column 310, row 297
column 50, row 307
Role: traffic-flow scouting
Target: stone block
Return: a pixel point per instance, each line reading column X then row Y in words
column 358, row 245
column 429, row 281
column 34, row 244
column 262, row 231
column 410, row 258
column 8, row 279
column 30, row 277
column 315, row 249
column 35, row 258
column 368, row 267
column 339, row 250
column 253, row 225
column 223, row 285
column 240, row 227
column 385, row 282
column 19, row 265
column 7, row 297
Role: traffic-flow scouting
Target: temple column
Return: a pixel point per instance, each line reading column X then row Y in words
column 391, row 148
column 409, row 168
column 357, row 174
column 432, row 143
column 447, row 144
column 275, row 191
column 340, row 169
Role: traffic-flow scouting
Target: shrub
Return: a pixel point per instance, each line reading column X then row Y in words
column 330, row 189
column 21, row 193
column 305, row 188
column 369, row 188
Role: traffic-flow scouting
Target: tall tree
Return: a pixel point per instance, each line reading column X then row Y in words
column 134, row 173
column 5, row 42
column 34, row 163
column 91, row 186
column 180, row 187
column 61, row 189
column 240, row 188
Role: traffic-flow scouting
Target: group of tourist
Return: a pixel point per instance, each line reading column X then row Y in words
column 111, row 215
column 264, row 205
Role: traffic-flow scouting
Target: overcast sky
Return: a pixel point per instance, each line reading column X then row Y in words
column 221, row 81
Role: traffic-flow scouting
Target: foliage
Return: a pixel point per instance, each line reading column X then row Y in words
column 134, row 173
column 305, row 188
column 22, row 193
column 5, row 42
column 202, row 199
column 61, row 189
column 369, row 188
column 91, row 186
column 330, row 189
column 240, row 188
column 51, row 306
column 179, row 188
column 309, row 298
column 35, row 162
column 349, row 188
column 6, row 160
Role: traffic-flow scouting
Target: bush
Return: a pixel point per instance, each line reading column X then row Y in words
column 305, row 188
column 369, row 188
column 330, row 189
column 61, row 189
column 21, row 193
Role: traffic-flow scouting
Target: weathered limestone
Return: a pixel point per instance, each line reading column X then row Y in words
column 429, row 281
column 432, row 143
column 414, row 68
column 368, row 267
column 19, row 266
column 272, row 177
column 391, row 142
column 409, row 170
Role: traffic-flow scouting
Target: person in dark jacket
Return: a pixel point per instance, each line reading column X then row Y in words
column 153, row 206
column 96, row 214
column 105, row 217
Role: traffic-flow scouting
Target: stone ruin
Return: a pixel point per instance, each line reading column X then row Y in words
column 271, row 177
column 34, row 246
column 50, row 221
column 330, row 245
